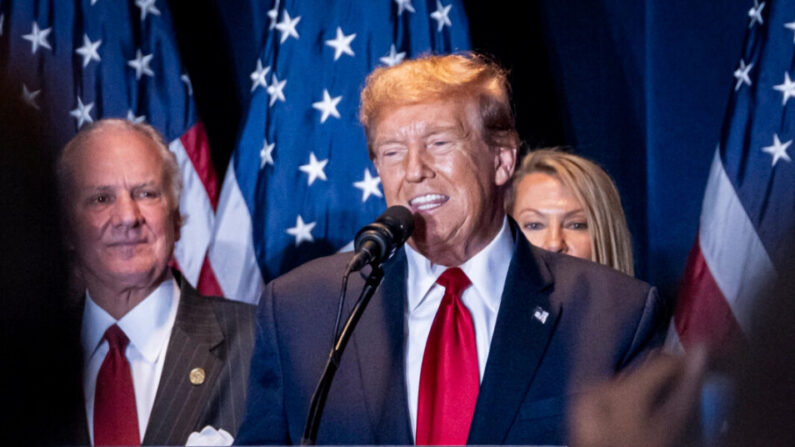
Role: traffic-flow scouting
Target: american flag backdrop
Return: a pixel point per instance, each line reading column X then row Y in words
column 300, row 182
column 747, row 228
column 78, row 61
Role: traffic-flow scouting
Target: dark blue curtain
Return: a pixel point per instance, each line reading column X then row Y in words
column 641, row 87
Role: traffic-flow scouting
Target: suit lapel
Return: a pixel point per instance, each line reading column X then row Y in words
column 183, row 393
column 379, row 346
column 518, row 344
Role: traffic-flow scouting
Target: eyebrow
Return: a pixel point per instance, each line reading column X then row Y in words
column 443, row 128
column 457, row 129
column 576, row 211
column 430, row 131
column 114, row 187
column 567, row 214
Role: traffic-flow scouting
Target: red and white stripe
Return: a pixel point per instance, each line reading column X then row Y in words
column 231, row 252
column 197, row 204
column 725, row 272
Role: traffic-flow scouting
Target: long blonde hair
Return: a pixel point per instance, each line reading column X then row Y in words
column 611, row 243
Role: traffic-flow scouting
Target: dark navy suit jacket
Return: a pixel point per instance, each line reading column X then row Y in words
column 598, row 322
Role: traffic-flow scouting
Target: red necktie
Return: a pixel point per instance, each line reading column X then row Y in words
column 115, row 414
column 450, row 379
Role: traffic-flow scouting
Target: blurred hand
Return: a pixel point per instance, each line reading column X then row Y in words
column 649, row 407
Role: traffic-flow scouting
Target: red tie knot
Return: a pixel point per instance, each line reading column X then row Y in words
column 454, row 281
column 116, row 338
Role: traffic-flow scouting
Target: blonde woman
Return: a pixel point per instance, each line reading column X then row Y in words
column 568, row 204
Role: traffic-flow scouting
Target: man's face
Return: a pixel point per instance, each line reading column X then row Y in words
column 123, row 226
column 432, row 159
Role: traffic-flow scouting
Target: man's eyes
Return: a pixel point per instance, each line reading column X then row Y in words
column 441, row 143
column 106, row 198
column 391, row 153
column 101, row 199
column 147, row 194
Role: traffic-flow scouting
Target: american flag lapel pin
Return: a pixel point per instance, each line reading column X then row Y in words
column 540, row 314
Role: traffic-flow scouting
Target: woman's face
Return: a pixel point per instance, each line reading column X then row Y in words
column 550, row 216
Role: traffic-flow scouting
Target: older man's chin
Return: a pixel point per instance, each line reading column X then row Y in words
column 136, row 275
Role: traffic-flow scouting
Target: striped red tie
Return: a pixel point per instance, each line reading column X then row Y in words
column 450, row 378
column 115, row 414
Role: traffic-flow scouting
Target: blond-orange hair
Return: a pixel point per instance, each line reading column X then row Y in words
column 432, row 78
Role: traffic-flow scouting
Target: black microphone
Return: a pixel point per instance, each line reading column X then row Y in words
column 378, row 241
column 374, row 243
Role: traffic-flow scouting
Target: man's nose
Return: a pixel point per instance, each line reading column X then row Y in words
column 417, row 167
column 127, row 211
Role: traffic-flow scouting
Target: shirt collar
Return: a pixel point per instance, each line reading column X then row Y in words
column 147, row 325
column 487, row 270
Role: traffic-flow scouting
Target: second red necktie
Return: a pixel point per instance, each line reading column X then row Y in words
column 450, row 378
column 115, row 413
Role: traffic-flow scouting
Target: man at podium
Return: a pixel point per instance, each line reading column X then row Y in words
column 474, row 336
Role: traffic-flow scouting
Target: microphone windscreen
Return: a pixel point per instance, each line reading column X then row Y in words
column 400, row 220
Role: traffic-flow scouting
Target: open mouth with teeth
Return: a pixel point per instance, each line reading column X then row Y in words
column 428, row 202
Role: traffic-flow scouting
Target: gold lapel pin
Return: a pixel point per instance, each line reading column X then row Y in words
column 197, row 376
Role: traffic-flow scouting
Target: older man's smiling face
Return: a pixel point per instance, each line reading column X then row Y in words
column 123, row 224
column 433, row 159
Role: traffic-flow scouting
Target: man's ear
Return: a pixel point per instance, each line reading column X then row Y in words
column 504, row 163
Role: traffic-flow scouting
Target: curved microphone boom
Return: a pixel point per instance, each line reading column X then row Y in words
column 375, row 243
column 378, row 241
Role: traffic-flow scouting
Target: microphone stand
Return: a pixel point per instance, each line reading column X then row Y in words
column 324, row 384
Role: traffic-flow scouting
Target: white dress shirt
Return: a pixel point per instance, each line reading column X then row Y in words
column 148, row 326
column 486, row 270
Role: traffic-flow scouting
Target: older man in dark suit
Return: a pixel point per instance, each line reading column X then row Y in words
column 160, row 361
column 474, row 336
